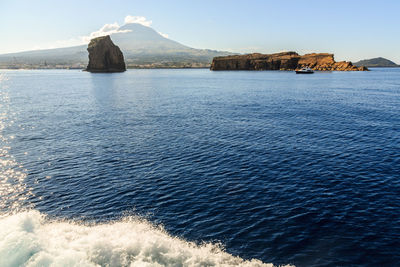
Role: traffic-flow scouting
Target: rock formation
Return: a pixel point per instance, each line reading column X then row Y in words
column 104, row 56
column 282, row 61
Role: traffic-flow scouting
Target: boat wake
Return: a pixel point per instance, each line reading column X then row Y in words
column 31, row 239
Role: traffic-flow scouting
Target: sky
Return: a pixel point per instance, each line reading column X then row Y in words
column 351, row 29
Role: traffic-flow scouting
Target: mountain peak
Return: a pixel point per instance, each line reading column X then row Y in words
column 139, row 30
column 137, row 38
column 128, row 26
column 140, row 44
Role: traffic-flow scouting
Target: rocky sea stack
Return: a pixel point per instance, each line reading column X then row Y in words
column 282, row 61
column 105, row 56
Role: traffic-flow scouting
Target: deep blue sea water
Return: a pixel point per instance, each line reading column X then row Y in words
column 199, row 168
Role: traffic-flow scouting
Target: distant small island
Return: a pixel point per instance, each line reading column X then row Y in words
column 378, row 62
column 283, row 61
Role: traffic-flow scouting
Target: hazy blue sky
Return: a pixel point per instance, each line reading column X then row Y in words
column 352, row 30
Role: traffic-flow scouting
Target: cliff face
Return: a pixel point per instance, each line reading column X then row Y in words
column 104, row 56
column 326, row 62
column 282, row 61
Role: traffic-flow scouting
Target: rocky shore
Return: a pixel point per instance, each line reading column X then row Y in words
column 283, row 61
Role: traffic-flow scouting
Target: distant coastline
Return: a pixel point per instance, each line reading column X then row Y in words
column 173, row 64
column 145, row 48
column 128, row 67
column 151, row 65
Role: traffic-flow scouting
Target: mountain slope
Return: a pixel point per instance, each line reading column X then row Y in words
column 63, row 57
column 145, row 39
column 142, row 47
column 378, row 62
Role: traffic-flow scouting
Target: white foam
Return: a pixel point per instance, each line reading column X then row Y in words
column 29, row 239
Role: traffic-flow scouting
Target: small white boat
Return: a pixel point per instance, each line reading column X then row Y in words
column 305, row 70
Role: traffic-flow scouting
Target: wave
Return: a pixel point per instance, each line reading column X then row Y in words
column 31, row 239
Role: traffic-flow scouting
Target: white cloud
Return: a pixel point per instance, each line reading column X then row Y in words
column 137, row 19
column 107, row 29
column 164, row 35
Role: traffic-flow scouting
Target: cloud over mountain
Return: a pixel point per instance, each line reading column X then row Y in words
column 141, row 44
column 107, row 29
column 138, row 19
column 112, row 28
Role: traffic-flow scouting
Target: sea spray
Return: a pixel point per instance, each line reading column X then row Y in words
column 31, row 239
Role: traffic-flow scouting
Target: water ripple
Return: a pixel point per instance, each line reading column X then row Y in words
column 286, row 169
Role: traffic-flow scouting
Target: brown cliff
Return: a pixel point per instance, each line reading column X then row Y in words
column 282, row 61
column 104, row 56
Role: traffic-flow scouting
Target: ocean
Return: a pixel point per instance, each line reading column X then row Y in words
column 199, row 168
